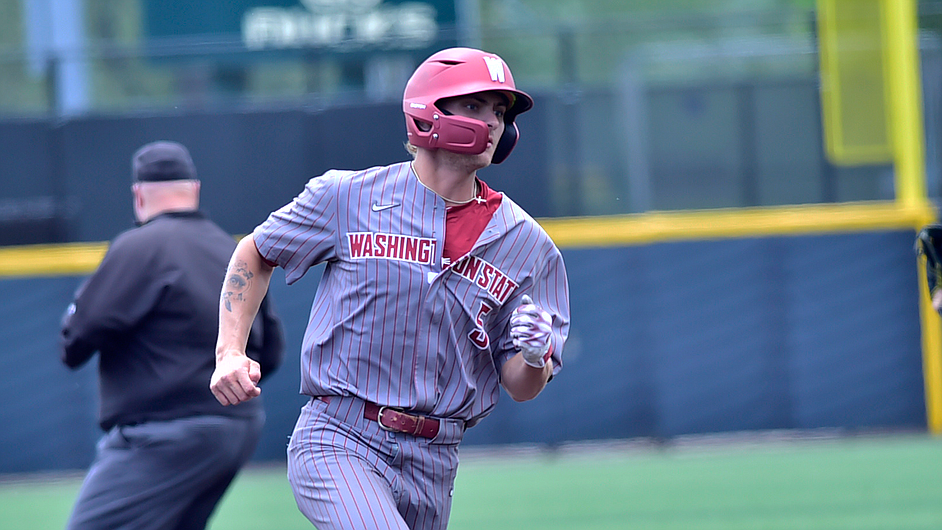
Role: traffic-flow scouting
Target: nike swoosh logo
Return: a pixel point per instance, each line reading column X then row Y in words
column 381, row 207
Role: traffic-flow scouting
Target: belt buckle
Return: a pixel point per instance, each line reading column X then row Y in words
column 379, row 419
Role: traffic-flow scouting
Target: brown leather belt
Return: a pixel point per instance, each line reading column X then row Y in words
column 397, row 421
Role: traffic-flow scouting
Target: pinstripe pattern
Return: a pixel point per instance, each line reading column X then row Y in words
column 389, row 325
column 347, row 473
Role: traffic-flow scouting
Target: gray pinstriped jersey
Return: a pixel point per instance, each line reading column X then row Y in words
column 388, row 324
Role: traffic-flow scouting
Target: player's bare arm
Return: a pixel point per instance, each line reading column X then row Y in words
column 237, row 283
column 522, row 381
column 236, row 376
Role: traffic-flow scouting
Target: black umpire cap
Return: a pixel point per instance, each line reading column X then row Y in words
column 160, row 161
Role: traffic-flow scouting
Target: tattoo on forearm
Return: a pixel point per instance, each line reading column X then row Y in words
column 237, row 284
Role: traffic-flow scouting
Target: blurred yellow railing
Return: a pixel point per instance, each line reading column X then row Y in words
column 657, row 227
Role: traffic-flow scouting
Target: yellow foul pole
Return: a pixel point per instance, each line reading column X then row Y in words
column 901, row 71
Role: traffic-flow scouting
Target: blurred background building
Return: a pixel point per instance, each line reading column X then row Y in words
column 646, row 105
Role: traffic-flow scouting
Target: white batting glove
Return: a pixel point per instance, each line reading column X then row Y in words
column 532, row 330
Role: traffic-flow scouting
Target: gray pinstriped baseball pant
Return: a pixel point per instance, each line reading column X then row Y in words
column 347, row 472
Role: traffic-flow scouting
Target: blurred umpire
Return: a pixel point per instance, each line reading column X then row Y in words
column 170, row 450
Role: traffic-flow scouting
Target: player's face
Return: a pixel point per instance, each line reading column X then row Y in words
column 488, row 107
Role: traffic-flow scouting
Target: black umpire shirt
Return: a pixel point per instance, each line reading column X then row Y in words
column 151, row 310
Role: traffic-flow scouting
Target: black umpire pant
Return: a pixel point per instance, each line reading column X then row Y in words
column 163, row 475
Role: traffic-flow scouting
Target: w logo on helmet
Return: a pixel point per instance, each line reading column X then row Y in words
column 495, row 67
column 454, row 72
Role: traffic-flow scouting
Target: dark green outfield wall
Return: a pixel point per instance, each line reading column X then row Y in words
column 667, row 339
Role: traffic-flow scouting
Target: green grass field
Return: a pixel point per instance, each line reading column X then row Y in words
column 860, row 483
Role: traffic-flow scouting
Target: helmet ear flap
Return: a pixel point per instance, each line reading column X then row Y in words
column 460, row 134
column 506, row 143
column 452, row 133
column 420, row 125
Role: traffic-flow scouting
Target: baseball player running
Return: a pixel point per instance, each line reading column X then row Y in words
column 437, row 291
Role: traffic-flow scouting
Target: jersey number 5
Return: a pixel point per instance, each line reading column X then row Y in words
column 478, row 336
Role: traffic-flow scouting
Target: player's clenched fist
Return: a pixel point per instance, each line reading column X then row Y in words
column 235, row 379
column 532, row 330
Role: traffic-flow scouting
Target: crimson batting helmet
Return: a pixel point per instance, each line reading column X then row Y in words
column 459, row 72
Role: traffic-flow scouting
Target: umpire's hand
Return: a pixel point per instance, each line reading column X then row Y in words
column 235, row 379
